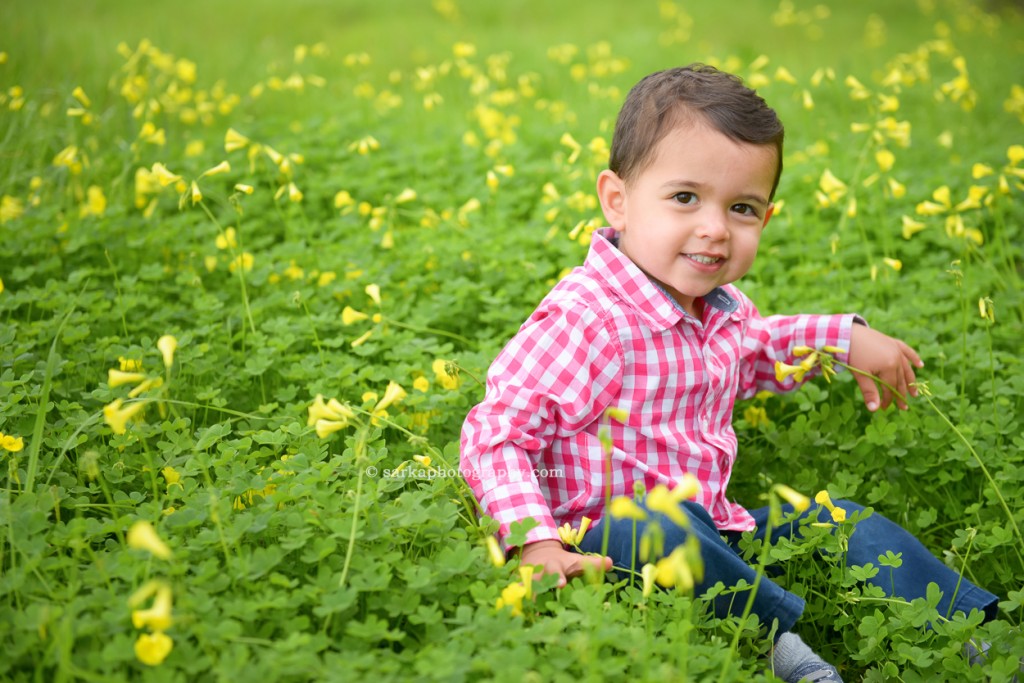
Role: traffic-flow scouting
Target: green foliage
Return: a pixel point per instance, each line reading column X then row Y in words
column 420, row 180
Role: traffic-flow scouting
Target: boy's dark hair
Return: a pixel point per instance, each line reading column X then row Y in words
column 658, row 102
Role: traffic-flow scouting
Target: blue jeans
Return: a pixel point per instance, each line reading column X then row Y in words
column 872, row 537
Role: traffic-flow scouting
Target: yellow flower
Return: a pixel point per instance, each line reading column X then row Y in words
column 755, row 416
column 406, row 195
column 167, row 345
column 333, row 410
column 325, row 428
column 888, row 103
column 373, row 291
column 244, row 189
column 421, row 384
column 227, row 239
column 784, row 370
column 911, row 227
column 222, row 167
column 158, row 617
column 243, row 261
column 117, row 417
column 526, row 574
column 361, row 339
column 885, row 160
column 686, row 488
column 572, row 536
column 233, row 140
column 463, row 50
column 446, row 374
column 116, row 378
column 171, row 476
column 974, row 196
column 979, row 171
column 1015, row 154
column 783, row 74
column 12, row 444
column 392, row 394
column 494, row 552
column 350, row 315
column 799, row 501
column 838, row 514
column 831, row 187
column 569, row 141
column 807, row 99
column 649, row 573
column 142, row 536
column 674, row 570
column 152, row 648
column 194, row 193
column 661, row 499
column 95, row 202
column 893, row 263
column 163, row 176
column 512, row 596
column 618, row 414
column 343, row 199
column 896, row 188
column 623, row 507
column 79, row 94
column 10, row 208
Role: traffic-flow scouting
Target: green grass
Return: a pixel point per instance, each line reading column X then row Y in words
column 293, row 561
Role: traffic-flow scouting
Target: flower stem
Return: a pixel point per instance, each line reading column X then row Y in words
column 428, row 330
column 984, row 469
column 360, row 448
column 876, row 378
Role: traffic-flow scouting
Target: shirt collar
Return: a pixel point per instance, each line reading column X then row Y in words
column 609, row 265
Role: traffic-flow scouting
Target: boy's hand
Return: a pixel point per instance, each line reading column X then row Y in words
column 888, row 359
column 557, row 560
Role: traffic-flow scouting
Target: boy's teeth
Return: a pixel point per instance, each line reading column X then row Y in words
column 702, row 259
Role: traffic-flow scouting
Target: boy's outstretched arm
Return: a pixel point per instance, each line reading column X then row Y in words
column 888, row 359
column 557, row 560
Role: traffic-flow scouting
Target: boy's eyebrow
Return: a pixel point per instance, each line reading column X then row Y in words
column 747, row 196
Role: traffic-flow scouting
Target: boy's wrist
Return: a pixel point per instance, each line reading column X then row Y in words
column 539, row 546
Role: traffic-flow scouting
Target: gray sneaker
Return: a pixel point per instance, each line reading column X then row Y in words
column 815, row 672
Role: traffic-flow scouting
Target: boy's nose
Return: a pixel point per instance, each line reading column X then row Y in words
column 713, row 226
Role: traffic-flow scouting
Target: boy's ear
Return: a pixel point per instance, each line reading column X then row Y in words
column 611, row 191
column 768, row 215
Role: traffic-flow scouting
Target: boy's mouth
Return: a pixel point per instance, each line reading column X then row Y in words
column 701, row 258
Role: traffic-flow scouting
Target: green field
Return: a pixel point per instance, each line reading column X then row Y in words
column 404, row 181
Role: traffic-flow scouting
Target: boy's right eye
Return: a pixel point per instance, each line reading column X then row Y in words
column 685, row 197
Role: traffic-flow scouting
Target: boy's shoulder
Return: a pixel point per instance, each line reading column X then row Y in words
column 583, row 299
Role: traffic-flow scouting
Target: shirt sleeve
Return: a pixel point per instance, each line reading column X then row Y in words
column 773, row 338
column 555, row 377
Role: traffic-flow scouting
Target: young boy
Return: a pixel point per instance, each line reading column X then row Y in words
column 652, row 325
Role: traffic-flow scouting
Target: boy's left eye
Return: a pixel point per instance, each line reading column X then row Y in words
column 745, row 209
column 685, row 197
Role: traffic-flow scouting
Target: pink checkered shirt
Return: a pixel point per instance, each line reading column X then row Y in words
column 606, row 336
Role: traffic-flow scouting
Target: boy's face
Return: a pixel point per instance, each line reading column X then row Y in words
column 692, row 219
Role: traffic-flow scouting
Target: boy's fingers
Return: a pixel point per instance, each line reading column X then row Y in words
column 911, row 354
column 869, row 391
